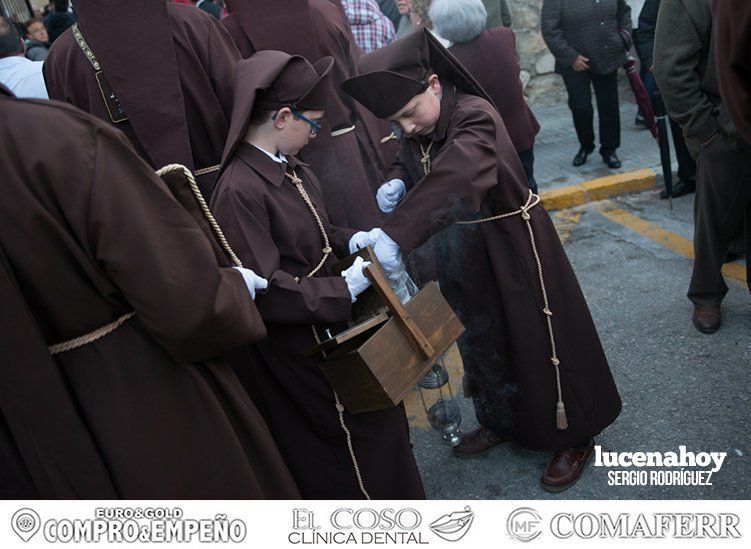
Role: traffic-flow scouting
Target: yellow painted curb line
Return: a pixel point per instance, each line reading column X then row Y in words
column 598, row 189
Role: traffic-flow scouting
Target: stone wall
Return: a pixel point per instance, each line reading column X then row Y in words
column 541, row 85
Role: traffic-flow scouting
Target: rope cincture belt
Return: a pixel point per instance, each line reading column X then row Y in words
column 102, row 331
column 204, row 171
column 533, row 200
column 561, row 421
column 326, row 252
column 342, row 131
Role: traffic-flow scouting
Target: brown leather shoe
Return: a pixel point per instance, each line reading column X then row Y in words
column 707, row 319
column 565, row 468
column 477, row 443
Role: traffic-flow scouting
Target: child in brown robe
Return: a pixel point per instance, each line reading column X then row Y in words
column 271, row 209
column 533, row 361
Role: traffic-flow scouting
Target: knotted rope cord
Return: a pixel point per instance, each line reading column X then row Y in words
column 532, row 200
column 208, row 169
column 204, row 207
column 326, row 252
column 85, row 339
column 102, row 331
column 303, row 193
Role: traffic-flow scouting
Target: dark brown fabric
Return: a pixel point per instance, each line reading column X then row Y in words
column 488, row 273
column 176, row 88
column 733, row 58
column 351, row 166
column 275, row 234
column 299, row 85
column 491, row 58
column 391, row 76
column 274, row 79
column 145, row 412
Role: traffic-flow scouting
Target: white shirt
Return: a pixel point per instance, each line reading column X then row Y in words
column 23, row 77
column 278, row 159
column 636, row 6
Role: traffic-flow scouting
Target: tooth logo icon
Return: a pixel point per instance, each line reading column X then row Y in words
column 25, row 523
column 454, row 526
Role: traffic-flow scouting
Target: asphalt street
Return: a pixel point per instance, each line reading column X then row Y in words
column 679, row 387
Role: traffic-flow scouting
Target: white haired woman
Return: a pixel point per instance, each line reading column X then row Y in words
column 490, row 56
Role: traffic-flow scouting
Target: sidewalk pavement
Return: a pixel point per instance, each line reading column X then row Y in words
column 562, row 185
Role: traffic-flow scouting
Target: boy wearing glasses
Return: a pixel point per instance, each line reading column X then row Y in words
column 271, row 209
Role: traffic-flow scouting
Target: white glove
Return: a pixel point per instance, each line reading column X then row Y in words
column 387, row 251
column 360, row 240
column 356, row 280
column 252, row 281
column 389, row 195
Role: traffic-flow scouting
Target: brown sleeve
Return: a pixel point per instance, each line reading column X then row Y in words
column 733, row 57
column 319, row 299
column 461, row 175
column 163, row 264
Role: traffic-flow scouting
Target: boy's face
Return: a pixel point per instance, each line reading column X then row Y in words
column 420, row 115
column 36, row 31
column 294, row 131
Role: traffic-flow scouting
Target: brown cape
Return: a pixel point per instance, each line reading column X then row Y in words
column 88, row 234
column 171, row 66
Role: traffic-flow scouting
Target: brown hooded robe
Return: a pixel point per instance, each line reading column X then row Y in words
column 88, row 234
column 488, row 271
column 351, row 166
column 171, row 67
column 274, row 233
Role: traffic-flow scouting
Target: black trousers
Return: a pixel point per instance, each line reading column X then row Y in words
column 722, row 208
column 579, row 87
column 686, row 163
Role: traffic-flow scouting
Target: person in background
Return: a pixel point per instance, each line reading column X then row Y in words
column 370, row 27
column 645, row 40
column 17, row 73
column 589, row 43
column 421, row 18
column 37, row 40
column 498, row 13
column 490, row 56
column 405, row 22
column 171, row 87
column 684, row 67
column 59, row 19
column 388, row 8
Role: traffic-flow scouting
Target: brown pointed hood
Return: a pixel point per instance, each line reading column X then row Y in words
column 271, row 80
column 391, row 76
column 133, row 44
column 284, row 25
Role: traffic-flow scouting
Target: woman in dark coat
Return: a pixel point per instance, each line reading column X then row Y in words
column 490, row 56
column 589, row 41
column 536, row 368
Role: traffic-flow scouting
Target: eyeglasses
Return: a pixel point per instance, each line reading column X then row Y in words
column 315, row 127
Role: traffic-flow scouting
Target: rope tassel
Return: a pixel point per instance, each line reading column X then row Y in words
column 561, row 421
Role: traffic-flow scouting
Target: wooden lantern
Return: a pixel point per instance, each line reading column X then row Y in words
column 390, row 346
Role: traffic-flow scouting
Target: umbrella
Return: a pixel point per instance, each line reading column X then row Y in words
column 642, row 97
column 662, row 141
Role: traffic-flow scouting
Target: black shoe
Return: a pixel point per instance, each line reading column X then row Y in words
column 679, row 189
column 581, row 156
column 611, row 160
column 640, row 121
